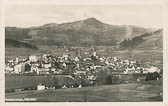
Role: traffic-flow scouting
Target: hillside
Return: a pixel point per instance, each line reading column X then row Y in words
column 153, row 40
column 79, row 33
column 10, row 43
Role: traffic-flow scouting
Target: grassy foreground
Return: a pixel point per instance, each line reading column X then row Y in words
column 141, row 91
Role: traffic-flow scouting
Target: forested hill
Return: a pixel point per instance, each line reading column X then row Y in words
column 153, row 40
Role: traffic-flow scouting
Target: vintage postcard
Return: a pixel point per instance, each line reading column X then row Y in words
column 71, row 52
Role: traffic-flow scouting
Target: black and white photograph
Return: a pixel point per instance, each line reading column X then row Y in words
column 83, row 53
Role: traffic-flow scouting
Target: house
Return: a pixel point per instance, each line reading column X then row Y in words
column 59, row 71
column 76, row 59
column 19, row 68
column 33, row 58
column 34, row 68
column 94, row 53
column 43, row 71
column 64, row 65
column 65, row 56
column 40, row 87
column 80, row 86
column 10, row 61
column 91, row 77
column 86, row 59
column 80, row 73
column 46, row 65
column 138, row 70
column 44, row 56
column 153, row 69
column 129, row 70
column 9, row 69
column 115, row 59
column 17, row 60
column 64, row 87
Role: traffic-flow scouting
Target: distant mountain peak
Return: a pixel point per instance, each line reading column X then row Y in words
column 92, row 19
column 93, row 22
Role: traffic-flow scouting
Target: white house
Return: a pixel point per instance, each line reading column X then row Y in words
column 17, row 59
column 9, row 69
column 64, row 87
column 153, row 69
column 48, row 65
column 44, row 56
column 76, row 59
column 129, row 70
column 80, row 86
column 101, row 59
column 34, row 68
column 115, row 58
column 64, row 64
column 65, row 56
column 40, row 87
column 80, row 72
column 94, row 53
column 19, row 68
column 33, row 58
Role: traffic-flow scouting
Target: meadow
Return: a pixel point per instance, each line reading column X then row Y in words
column 134, row 92
column 20, row 81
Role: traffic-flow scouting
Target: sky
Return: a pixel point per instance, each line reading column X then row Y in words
column 28, row 15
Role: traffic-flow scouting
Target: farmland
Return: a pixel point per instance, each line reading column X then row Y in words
column 141, row 91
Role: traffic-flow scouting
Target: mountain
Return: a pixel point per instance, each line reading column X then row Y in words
column 86, row 32
column 146, row 41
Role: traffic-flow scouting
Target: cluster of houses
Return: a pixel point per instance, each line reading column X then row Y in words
column 76, row 65
column 88, row 66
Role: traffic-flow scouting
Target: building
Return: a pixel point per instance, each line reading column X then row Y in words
column 17, row 60
column 153, row 69
column 129, row 70
column 34, row 68
column 46, row 65
column 43, row 71
column 9, row 69
column 94, row 53
column 80, row 73
column 33, row 58
column 65, row 56
column 40, row 87
column 19, row 68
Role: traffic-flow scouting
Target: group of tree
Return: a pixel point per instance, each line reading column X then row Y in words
column 131, row 43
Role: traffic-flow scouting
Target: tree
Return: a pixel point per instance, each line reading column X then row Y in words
column 27, row 67
column 108, row 79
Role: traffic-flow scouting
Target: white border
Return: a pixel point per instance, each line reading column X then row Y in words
column 88, row 2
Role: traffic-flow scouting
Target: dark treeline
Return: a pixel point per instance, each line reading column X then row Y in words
column 133, row 42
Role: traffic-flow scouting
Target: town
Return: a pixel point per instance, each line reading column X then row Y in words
column 83, row 65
